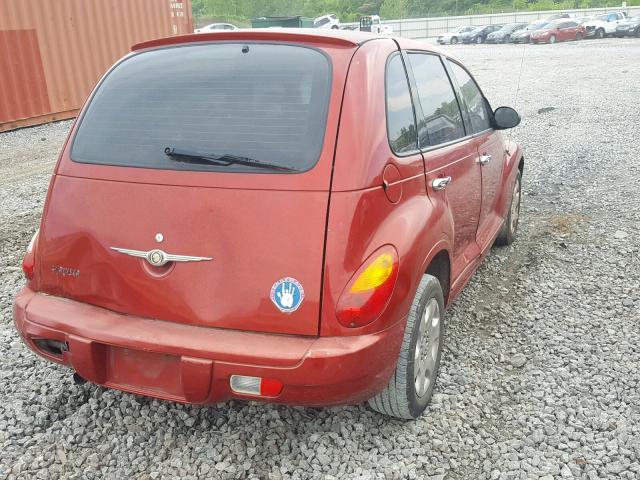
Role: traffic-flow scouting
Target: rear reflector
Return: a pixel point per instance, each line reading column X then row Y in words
column 29, row 260
column 264, row 387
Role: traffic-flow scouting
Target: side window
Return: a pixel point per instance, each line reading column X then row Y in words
column 442, row 120
column 401, row 125
column 472, row 98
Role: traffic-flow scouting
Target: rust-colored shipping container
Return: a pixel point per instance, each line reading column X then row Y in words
column 52, row 52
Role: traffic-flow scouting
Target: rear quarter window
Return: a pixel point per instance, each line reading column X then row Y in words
column 401, row 125
column 442, row 122
column 266, row 102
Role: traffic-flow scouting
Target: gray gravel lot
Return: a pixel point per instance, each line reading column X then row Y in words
column 540, row 370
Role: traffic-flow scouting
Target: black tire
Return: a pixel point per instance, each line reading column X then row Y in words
column 509, row 229
column 399, row 398
column 600, row 33
column 638, row 32
column 454, row 40
column 552, row 39
column 479, row 40
column 506, row 39
column 578, row 36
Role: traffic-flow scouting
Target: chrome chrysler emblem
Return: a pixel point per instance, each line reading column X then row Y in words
column 158, row 258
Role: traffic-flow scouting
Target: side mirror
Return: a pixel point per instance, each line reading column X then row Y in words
column 505, row 117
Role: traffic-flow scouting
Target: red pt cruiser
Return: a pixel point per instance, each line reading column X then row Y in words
column 270, row 215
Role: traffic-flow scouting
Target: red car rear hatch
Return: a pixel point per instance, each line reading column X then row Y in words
column 117, row 198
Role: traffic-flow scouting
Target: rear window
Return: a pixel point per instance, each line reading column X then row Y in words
column 264, row 102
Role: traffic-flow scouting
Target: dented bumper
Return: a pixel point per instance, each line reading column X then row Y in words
column 193, row 364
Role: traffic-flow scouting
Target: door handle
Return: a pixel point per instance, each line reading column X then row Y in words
column 484, row 159
column 440, row 183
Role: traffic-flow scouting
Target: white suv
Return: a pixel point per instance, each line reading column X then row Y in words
column 327, row 21
column 604, row 25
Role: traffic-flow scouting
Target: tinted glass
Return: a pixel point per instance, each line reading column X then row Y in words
column 473, row 99
column 442, row 120
column 401, row 126
column 269, row 104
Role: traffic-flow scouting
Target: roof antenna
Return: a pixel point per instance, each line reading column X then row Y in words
column 515, row 101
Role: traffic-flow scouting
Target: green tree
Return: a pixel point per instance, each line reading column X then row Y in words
column 393, row 9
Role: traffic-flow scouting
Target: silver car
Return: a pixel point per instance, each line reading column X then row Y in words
column 453, row 36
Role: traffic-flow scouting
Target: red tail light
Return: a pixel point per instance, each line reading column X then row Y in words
column 29, row 260
column 368, row 292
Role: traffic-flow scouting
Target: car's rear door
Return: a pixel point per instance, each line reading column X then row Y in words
column 489, row 151
column 450, row 155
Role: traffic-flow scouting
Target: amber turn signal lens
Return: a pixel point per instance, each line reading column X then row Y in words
column 367, row 294
column 375, row 274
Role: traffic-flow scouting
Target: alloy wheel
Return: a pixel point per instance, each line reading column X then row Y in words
column 515, row 206
column 427, row 346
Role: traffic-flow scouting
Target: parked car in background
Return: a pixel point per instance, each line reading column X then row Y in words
column 604, row 25
column 629, row 28
column 504, row 34
column 308, row 265
column 216, row 27
column 453, row 36
column 583, row 20
column 524, row 35
column 479, row 34
column 557, row 16
column 329, row 21
column 559, row 31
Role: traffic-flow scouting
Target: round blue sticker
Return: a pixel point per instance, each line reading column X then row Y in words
column 287, row 294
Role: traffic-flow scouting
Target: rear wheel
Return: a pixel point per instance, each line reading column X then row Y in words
column 506, row 39
column 479, row 40
column 507, row 233
column 600, row 33
column 638, row 32
column 578, row 36
column 552, row 39
column 411, row 385
column 454, row 40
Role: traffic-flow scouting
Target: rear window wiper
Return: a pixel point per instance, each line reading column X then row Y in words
column 222, row 160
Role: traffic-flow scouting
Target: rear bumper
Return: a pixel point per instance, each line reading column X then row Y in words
column 192, row 364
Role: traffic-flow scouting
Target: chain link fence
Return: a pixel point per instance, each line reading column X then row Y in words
column 435, row 26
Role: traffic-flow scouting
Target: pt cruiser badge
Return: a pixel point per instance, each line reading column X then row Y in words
column 158, row 258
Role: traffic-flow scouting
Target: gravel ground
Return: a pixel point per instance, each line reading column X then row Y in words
column 540, row 371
